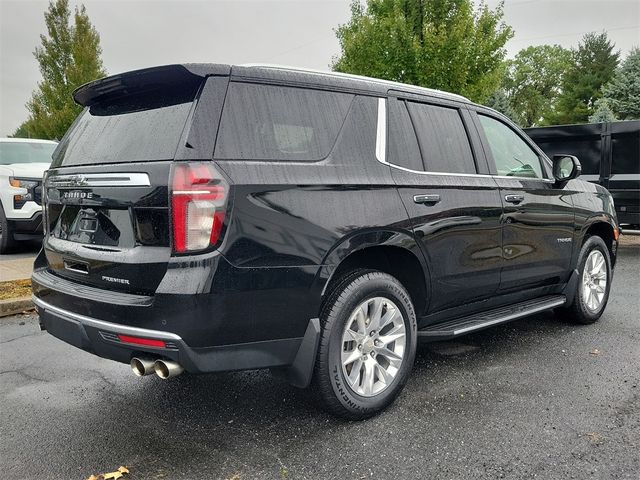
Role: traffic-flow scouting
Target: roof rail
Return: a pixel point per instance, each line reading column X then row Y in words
column 389, row 83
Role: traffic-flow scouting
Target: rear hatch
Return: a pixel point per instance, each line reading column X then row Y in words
column 107, row 194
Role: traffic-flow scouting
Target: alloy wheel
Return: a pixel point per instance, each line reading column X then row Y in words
column 594, row 280
column 373, row 346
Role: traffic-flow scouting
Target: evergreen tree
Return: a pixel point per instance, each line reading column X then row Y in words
column 68, row 56
column 603, row 112
column 623, row 92
column 594, row 64
column 499, row 101
column 444, row 44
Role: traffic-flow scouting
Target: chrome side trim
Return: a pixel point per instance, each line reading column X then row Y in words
column 100, row 180
column 473, row 175
column 102, row 325
column 381, row 131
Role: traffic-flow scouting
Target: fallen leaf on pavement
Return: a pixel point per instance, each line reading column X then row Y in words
column 111, row 475
column 594, row 352
column 595, row 437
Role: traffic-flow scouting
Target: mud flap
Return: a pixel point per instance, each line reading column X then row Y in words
column 299, row 373
column 571, row 288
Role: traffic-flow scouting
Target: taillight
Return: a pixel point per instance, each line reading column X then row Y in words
column 198, row 202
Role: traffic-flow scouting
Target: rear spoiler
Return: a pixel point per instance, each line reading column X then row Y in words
column 168, row 77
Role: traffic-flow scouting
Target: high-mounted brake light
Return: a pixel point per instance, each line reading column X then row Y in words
column 198, row 203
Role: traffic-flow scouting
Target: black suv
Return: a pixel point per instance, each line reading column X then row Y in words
column 212, row 218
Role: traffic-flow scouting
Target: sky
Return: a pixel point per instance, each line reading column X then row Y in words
column 143, row 33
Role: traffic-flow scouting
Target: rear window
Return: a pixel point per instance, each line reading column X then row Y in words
column 25, row 152
column 268, row 122
column 129, row 129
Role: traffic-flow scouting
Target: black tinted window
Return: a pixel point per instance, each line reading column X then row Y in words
column 141, row 128
column 587, row 149
column 267, row 122
column 442, row 138
column 625, row 153
column 403, row 145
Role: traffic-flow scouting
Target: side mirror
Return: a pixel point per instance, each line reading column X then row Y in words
column 565, row 168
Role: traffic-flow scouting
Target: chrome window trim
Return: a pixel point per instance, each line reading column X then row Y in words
column 381, row 152
column 100, row 180
column 381, row 131
column 108, row 326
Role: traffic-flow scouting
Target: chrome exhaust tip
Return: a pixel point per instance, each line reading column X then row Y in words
column 167, row 369
column 142, row 366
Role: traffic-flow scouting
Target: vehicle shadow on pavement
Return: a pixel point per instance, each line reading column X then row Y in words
column 177, row 423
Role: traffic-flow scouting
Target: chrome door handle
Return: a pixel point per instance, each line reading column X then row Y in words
column 428, row 199
column 514, row 198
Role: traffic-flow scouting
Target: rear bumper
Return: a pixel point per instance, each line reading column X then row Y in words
column 101, row 338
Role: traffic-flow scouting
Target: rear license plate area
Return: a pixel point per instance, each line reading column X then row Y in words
column 95, row 226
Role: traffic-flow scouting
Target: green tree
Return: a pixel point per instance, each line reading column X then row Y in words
column 444, row 44
column 594, row 63
column 533, row 80
column 603, row 112
column 499, row 101
column 68, row 57
column 623, row 91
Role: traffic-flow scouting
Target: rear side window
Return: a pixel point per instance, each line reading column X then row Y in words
column 512, row 156
column 442, row 138
column 128, row 129
column 403, row 145
column 268, row 122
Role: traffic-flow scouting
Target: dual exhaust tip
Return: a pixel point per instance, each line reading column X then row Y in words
column 163, row 368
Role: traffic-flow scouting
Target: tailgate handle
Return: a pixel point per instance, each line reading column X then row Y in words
column 428, row 199
column 75, row 266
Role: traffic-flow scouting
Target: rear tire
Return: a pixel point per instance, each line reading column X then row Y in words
column 593, row 285
column 7, row 242
column 367, row 345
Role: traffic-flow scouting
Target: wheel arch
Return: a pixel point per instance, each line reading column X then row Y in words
column 395, row 253
column 603, row 226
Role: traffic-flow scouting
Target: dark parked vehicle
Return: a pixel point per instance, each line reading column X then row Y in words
column 212, row 218
column 609, row 154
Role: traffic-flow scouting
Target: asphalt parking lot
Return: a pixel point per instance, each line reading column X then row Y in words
column 535, row 398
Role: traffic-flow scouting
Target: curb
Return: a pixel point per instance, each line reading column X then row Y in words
column 15, row 305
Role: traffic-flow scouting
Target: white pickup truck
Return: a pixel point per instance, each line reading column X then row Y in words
column 22, row 164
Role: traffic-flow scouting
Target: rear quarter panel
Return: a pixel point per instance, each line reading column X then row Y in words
column 292, row 223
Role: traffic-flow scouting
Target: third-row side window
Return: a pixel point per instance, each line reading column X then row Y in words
column 269, row 122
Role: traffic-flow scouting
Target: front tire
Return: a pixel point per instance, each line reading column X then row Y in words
column 367, row 346
column 594, row 282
